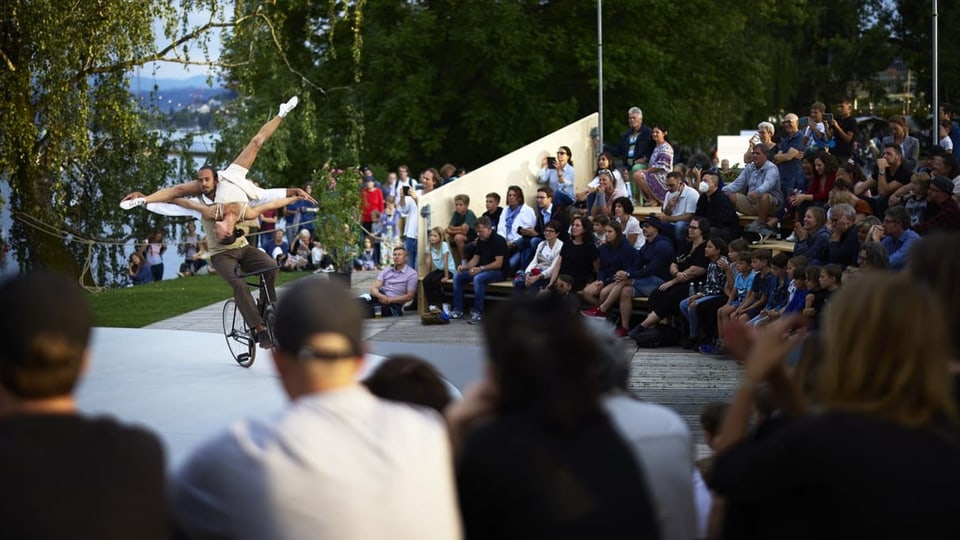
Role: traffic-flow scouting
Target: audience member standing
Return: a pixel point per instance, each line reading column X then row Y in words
column 153, row 251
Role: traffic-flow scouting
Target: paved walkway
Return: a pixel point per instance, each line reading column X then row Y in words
column 679, row 379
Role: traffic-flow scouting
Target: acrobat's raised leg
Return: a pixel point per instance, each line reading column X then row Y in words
column 249, row 153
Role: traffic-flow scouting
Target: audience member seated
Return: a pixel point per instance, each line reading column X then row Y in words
column 896, row 236
column 717, row 207
column 544, row 267
column 873, row 256
column 441, row 268
column 517, row 225
column 713, row 286
column 366, row 260
column 299, row 255
column 623, row 214
column 935, row 262
column 679, row 206
column 191, row 247
column 844, row 242
column 900, row 136
column 756, row 192
column 541, row 404
column 605, row 194
column 616, row 257
column 333, row 454
column 461, row 230
column 409, row 379
column 587, row 197
column 687, row 271
column 66, row 475
column 650, row 269
column 634, row 147
column 942, row 212
column 579, row 256
column 842, row 193
column 484, row 268
column 660, row 441
column 913, row 197
column 813, row 237
column 889, row 174
column 138, row 271
column 818, row 190
column 652, row 179
column 278, row 248
column 559, row 176
column 876, row 388
column 395, row 286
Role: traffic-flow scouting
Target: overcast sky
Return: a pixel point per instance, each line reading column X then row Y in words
column 171, row 70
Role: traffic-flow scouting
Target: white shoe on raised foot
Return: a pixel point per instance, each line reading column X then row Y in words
column 288, row 106
column 133, row 203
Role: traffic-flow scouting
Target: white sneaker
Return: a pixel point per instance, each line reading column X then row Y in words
column 288, row 106
column 132, row 203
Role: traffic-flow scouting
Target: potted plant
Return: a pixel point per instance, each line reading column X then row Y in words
column 337, row 192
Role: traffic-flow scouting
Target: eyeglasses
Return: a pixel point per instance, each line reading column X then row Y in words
column 550, row 231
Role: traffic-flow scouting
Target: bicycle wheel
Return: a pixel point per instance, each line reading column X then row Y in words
column 238, row 336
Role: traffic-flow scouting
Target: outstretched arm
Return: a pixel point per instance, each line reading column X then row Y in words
column 168, row 194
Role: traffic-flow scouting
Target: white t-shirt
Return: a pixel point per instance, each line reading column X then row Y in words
column 633, row 226
column 687, row 203
column 336, row 464
column 409, row 211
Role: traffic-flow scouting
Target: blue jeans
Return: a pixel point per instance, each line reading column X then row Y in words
column 516, row 259
column 691, row 314
column 645, row 286
column 480, row 281
column 410, row 244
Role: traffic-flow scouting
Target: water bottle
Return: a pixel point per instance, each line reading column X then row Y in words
column 692, row 290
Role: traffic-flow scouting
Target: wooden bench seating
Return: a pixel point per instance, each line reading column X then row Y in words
column 503, row 290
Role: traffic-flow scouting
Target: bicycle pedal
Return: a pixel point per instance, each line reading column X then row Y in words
column 243, row 357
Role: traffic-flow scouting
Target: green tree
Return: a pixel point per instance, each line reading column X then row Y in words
column 74, row 141
column 912, row 29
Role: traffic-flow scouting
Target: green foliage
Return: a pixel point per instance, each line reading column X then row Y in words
column 74, row 141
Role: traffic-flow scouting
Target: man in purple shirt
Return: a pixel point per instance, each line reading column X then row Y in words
column 395, row 286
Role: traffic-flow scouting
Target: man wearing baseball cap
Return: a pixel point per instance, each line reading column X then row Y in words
column 338, row 462
column 66, row 475
column 942, row 211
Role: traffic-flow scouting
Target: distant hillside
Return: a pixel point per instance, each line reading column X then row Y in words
column 178, row 94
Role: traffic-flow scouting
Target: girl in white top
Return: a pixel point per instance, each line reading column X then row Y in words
column 623, row 212
column 544, row 268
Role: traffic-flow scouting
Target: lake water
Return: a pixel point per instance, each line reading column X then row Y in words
column 202, row 146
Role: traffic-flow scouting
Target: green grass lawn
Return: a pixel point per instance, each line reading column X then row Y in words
column 136, row 307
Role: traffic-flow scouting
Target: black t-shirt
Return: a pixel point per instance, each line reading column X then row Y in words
column 842, row 148
column 66, row 476
column 490, row 249
column 494, row 217
column 577, row 261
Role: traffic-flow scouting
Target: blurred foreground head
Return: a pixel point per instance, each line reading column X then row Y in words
column 45, row 322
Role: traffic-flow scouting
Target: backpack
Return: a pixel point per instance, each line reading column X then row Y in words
column 433, row 318
column 662, row 335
